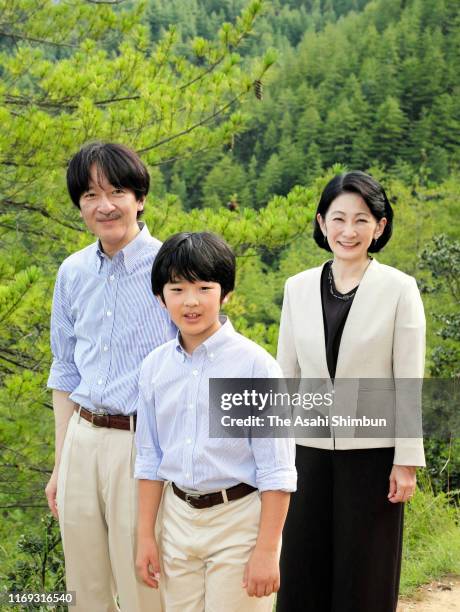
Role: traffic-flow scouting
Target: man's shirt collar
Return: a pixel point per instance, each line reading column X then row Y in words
column 130, row 253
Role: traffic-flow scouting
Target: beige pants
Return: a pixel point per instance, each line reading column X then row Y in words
column 204, row 553
column 97, row 505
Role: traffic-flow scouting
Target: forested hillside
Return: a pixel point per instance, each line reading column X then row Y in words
column 242, row 110
column 375, row 88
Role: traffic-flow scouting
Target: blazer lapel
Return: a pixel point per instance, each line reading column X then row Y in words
column 314, row 318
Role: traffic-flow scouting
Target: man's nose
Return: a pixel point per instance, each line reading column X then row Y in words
column 104, row 204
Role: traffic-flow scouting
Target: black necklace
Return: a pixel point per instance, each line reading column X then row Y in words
column 341, row 296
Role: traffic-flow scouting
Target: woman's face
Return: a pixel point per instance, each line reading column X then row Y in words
column 350, row 227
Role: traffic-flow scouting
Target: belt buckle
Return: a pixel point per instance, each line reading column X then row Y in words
column 189, row 497
column 101, row 413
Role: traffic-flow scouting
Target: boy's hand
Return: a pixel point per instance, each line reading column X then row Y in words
column 147, row 562
column 262, row 573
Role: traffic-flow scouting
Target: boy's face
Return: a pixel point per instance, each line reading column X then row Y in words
column 194, row 308
column 110, row 212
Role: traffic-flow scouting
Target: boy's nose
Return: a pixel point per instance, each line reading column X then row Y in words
column 190, row 299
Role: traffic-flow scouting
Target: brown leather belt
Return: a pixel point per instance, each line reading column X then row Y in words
column 101, row 419
column 207, row 500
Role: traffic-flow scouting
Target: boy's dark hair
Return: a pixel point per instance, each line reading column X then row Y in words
column 121, row 166
column 200, row 256
column 372, row 193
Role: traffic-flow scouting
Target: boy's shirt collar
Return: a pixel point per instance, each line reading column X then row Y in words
column 211, row 345
column 129, row 254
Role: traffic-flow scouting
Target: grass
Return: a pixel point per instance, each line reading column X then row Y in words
column 431, row 538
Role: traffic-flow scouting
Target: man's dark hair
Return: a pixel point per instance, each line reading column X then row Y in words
column 200, row 256
column 372, row 193
column 121, row 166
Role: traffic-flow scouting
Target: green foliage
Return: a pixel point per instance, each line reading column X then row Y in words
column 362, row 84
column 432, row 538
column 372, row 88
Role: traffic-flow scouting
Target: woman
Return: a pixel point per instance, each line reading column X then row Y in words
column 351, row 318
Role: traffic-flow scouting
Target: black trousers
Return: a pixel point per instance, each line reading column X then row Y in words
column 342, row 540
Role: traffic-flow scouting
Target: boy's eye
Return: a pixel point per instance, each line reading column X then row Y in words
column 118, row 190
column 362, row 220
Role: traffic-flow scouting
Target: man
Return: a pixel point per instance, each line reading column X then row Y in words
column 104, row 322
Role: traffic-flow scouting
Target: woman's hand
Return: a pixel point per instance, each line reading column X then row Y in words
column 402, row 483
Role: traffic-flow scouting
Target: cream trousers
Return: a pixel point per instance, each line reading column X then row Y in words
column 97, row 505
column 204, row 553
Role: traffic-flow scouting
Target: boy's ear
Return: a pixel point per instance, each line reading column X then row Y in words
column 160, row 300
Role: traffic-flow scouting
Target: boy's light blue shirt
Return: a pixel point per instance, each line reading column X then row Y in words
column 172, row 436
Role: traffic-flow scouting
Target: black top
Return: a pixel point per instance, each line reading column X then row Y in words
column 335, row 313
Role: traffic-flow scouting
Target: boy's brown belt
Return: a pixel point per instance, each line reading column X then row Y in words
column 206, row 500
column 114, row 421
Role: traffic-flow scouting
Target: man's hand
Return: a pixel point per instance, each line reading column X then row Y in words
column 147, row 562
column 402, row 483
column 50, row 492
column 262, row 574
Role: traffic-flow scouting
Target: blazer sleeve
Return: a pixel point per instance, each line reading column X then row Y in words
column 408, row 371
column 287, row 354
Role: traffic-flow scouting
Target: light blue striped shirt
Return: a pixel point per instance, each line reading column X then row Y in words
column 172, row 437
column 104, row 321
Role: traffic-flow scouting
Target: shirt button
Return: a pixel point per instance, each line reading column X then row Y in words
column 109, row 313
column 190, row 405
column 106, row 348
column 211, row 355
column 187, row 475
column 188, row 440
column 195, row 372
column 112, row 277
column 99, row 382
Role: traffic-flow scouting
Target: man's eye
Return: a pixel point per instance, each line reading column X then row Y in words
column 89, row 194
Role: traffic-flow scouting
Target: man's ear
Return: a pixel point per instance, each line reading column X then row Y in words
column 226, row 298
column 140, row 204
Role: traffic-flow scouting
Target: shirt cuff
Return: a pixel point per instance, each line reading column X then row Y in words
column 146, row 467
column 64, row 376
column 279, row 479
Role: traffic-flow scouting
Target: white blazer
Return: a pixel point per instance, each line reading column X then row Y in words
column 383, row 337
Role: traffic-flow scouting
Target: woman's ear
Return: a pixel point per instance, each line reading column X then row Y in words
column 321, row 223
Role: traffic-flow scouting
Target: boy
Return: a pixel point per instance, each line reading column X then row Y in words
column 104, row 322
column 219, row 538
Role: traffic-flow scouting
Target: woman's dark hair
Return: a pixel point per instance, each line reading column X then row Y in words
column 372, row 193
column 120, row 165
column 199, row 256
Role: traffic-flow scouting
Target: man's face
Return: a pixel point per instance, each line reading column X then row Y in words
column 109, row 212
